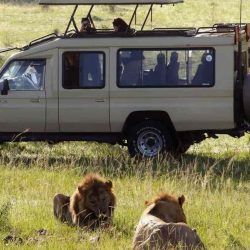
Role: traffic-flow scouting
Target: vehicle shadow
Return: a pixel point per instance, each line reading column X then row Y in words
column 122, row 165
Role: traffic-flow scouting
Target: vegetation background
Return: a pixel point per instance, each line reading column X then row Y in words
column 214, row 175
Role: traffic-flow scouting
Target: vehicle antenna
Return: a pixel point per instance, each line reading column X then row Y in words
column 240, row 68
column 240, row 12
column 151, row 17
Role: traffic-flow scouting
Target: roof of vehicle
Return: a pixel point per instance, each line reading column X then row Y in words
column 111, row 2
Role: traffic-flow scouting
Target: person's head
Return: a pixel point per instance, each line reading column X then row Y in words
column 161, row 58
column 120, row 25
column 136, row 55
column 174, row 57
column 85, row 24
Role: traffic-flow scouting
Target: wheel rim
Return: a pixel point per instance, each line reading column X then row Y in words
column 149, row 143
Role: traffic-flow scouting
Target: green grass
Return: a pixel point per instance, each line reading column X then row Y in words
column 214, row 175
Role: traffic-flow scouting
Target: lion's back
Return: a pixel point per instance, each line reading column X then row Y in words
column 153, row 233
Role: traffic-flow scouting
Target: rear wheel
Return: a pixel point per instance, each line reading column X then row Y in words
column 149, row 139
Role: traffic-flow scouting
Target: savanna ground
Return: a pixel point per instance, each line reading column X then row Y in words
column 214, row 175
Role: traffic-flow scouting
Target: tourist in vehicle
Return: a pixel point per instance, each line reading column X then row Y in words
column 120, row 25
column 160, row 69
column 86, row 26
column 204, row 73
column 71, row 70
column 173, row 69
column 132, row 69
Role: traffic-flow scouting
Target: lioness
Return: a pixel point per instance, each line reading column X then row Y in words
column 163, row 225
column 91, row 205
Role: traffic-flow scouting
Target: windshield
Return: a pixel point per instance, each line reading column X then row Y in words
column 24, row 74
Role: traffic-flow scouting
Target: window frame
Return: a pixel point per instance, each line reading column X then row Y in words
column 167, row 85
column 29, row 59
column 85, row 52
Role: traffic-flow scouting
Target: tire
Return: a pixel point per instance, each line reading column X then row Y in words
column 149, row 139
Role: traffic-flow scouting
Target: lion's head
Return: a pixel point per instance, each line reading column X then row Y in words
column 167, row 208
column 93, row 200
column 163, row 226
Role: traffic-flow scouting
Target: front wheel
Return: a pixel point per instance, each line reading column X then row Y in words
column 149, row 139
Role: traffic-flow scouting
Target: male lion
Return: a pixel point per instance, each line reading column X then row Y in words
column 91, row 205
column 163, row 226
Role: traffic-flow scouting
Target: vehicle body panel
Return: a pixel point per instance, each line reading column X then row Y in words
column 189, row 108
column 84, row 110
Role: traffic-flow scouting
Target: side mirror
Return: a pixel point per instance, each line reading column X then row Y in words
column 6, row 87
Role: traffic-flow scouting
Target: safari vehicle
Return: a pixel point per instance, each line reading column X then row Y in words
column 154, row 91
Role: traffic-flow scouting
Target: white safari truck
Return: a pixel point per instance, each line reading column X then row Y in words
column 154, row 91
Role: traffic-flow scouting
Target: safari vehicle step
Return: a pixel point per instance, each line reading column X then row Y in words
column 61, row 137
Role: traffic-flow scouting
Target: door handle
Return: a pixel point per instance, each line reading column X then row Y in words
column 3, row 101
column 35, row 100
column 100, row 100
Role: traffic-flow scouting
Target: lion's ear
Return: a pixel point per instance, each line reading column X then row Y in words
column 80, row 190
column 181, row 200
column 146, row 203
column 109, row 184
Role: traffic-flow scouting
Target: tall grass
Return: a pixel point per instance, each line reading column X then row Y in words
column 215, row 183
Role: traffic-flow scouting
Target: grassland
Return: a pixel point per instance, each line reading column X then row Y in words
column 214, row 175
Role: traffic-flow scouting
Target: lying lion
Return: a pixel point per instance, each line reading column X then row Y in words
column 91, row 205
column 163, row 226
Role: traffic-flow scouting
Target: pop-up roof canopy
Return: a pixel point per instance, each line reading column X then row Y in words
column 92, row 3
column 111, row 2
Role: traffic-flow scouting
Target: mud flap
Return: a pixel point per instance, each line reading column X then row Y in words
column 246, row 97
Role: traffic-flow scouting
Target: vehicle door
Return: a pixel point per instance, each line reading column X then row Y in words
column 22, row 99
column 84, row 91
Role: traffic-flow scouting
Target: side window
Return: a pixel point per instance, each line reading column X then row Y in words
column 83, row 70
column 130, row 68
column 202, row 64
column 24, row 75
column 165, row 68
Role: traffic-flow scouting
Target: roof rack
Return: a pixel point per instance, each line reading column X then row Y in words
column 216, row 29
column 3, row 50
column 158, row 32
column 42, row 39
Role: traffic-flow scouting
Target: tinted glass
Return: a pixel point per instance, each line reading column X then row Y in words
column 83, row 70
column 165, row 68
